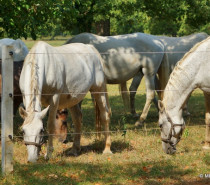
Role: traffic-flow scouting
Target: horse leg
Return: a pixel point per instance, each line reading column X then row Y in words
column 103, row 105
column 133, row 88
column 125, row 95
column 150, row 96
column 76, row 115
column 207, row 119
column 51, row 124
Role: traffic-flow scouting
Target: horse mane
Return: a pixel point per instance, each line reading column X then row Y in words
column 34, row 80
column 31, row 60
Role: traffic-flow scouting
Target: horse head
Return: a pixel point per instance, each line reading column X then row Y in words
column 33, row 131
column 61, row 125
column 171, row 131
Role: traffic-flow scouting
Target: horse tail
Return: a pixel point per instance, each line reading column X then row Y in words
column 125, row 95
column 163, row 74
column 97, row 111
column 98, row 120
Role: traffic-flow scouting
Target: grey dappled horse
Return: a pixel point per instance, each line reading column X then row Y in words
column 191, row 72
column 126, row 56
column 60, row 77
column 175, row 48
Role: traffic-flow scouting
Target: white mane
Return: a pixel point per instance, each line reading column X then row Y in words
column 31, row 58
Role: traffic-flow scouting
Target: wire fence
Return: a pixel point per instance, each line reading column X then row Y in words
column 99, row 92
column 91, row 114
column 124, row 52
column 126, row 141
column 122, row 131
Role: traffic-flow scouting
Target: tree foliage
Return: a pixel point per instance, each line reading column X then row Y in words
column 35, row 18
column 23, row 18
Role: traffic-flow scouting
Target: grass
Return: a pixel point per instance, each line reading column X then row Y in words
column 29, row 43
column 137, row 156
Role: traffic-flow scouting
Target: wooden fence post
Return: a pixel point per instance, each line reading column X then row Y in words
column 7, row 110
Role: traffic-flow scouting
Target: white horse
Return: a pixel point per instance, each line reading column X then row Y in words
column 126, row 56
column 191, row 72
column 19, row 48
column 175, row 48
column 60, row 77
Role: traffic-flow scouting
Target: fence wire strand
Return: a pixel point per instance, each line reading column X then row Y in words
column 100, row 92
column 130, row 52
column 143, row 129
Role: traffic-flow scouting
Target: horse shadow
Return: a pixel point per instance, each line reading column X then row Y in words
column 98, row 146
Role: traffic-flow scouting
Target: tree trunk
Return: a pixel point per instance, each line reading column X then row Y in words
column 103, row 27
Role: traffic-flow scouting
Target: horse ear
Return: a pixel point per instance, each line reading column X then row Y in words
column 160, row 106
column 44, row 112
column 22, row 112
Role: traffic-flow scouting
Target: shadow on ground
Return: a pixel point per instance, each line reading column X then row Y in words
column 132, row 173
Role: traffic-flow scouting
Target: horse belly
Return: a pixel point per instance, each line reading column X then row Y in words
column 120, row 68
column 68, row 100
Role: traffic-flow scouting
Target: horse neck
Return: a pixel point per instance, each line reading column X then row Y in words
column 180, row 86
column 186, row 76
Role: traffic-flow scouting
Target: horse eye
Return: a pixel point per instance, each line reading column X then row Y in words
column 161, row 125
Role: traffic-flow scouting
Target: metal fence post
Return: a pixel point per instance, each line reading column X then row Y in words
column 7, row 110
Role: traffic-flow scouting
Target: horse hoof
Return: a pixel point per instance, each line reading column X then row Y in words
column 73, row 152
column 139, row 123
column 107, row 152
column 206, row 147
column 46, row 157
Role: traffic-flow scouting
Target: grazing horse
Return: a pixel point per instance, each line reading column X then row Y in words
column 19, row 53
column 126, row 56
column 59, row 77
column 191, row 72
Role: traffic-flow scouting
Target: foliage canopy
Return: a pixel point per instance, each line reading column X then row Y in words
column 36, row 18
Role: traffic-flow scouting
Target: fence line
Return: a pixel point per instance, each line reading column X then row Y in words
column 129, row 52
column 111, row 131
column 101, row 92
